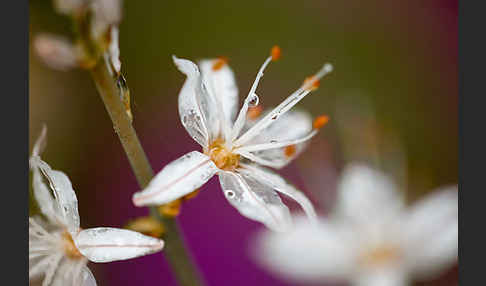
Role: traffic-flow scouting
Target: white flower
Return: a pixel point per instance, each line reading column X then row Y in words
column 208, row 107
column 58, row 248
column 371, row 238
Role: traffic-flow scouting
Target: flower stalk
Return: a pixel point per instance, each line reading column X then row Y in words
column 175, row 251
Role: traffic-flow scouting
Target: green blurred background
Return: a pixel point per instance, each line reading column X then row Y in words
column 392, row 97
column 399, row 57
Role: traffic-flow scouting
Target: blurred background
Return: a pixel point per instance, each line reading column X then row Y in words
column 392, row 100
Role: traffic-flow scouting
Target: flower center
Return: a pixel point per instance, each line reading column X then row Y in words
column 222, row 157
column 70, row 248
column 380, row 255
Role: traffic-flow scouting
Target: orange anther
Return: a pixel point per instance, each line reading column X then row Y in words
column 171, row 209
column 219, row 63
column 191, row 195
column 276, row 53
column 320, row 121
column 311, row 83
column 290, row 150
column 254, row 112
column 147, row 225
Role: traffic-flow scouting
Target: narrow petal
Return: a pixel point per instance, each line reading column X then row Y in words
column 383, row 276
column 255, row 201
column 65, row 274
column 282, row 141
column 51, row 270
column 251, row 97
column 431, row 231
column 193, row 101
column 367, row 196
column 177, row 179
column 114, row 50
column 38, row 268
column 275, row 182
column 221, row 85
column 44, row 198
column 87, row 277
column 290, row 126
column 41, row 142
column 66, row 203
column 105, row 244
column 309, row 252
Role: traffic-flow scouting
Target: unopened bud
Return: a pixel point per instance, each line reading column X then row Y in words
column 56, row 52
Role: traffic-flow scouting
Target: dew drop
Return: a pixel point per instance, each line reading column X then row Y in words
column 273, row 141
column 254, row 100
column 275, row 116
column 230, row 194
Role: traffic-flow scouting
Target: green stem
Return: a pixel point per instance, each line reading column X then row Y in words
column 174, row 251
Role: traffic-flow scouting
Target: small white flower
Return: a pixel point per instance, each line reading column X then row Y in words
column 208, row 104
column 58, row 248
column 106, row 13
column 371, row 238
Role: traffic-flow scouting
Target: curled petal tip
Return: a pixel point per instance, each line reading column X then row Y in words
column 136, row 200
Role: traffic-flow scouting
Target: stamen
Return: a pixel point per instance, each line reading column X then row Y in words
column 222, row 157
column 276, row 53
column 320, row 121
column 311, row 84
column 254, row 112
column 273, row 145
column 290, row 150
column 219, row 63
column 282, row 108
column 240, row 120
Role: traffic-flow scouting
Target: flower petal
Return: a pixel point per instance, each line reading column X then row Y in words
column 221, row 85
column 431, row 231
column 275, row 182
column 255, row 201
column 42, row 192
column 105, row 244
column 177, row 179
column 293, row 125
column 367, row 196
column 65, row 206
column 309, row 252
column 194, row 102
column 274, row 115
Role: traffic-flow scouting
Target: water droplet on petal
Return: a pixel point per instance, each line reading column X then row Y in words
column 230, row 194
column 254, row 100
